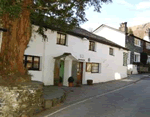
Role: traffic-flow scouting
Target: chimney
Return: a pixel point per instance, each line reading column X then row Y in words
column 126, row 28
column 123, row 27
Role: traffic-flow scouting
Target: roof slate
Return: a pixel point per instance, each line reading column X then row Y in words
column 91, row 36
column 82, row 33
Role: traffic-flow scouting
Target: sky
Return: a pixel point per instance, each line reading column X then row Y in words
column 134, row 12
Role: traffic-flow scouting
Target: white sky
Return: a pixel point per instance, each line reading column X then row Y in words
column 134, row 12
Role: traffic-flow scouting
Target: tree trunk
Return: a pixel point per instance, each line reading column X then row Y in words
column 14, row 43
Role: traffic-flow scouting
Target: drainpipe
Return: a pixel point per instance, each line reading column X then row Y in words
column 43, row 60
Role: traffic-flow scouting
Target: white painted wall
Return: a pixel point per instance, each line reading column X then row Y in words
column 111, row 66
column 118, row 38
column 146, row 38
column 35, row 47
column 112, row 35
column 132, row 69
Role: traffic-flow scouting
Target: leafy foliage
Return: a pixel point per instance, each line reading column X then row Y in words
column 63, row 14
column 130, row 31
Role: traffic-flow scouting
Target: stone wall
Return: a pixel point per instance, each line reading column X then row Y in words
column 130, row 45
column 22, row 99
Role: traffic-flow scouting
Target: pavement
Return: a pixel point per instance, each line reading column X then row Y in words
column 130, row 101
column 76, row 94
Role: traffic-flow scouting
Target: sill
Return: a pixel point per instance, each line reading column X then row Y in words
column 34, row 70
column 138, row 45
column 136, row 62
column 61, row 44
column 111, row 55
column 92, row 72
column 92, row 50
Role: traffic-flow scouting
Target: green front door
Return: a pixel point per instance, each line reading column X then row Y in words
column 61, row 73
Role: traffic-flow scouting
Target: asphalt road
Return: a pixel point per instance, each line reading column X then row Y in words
column 132, row 101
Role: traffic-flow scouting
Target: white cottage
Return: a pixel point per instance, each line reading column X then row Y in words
column 119, row 37
column 77, row 53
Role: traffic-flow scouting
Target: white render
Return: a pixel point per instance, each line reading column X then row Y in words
column 111, row 67
column 117, row 37
column 146, row 38
column 112, row 35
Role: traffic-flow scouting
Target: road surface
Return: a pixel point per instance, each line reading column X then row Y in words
column 132, row 101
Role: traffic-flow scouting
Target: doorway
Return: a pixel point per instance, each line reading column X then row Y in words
column 61, row 70
column 79, row 71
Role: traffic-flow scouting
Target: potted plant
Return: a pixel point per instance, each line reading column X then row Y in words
column 60, row 81
column 78, row 83
column 89, row 82
column 70, row 81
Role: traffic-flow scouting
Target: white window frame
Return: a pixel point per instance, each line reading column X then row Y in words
column 148, row 59
column 125, row 59
column 147, row 45
column 91, row 67
column 112, row 51
column 137, row 42
column 92, row 49
column 138, row 58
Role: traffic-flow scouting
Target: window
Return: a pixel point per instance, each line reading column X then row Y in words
column 31, row 62
column 147, row 45
column 136, row 57
column 125, row 56
column 137, row 42
column 148, row 59
column 92, row 67
column 111, row 51
column 61, row 38
column 91, row 45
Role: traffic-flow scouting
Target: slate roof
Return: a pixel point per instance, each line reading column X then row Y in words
column 89, row 35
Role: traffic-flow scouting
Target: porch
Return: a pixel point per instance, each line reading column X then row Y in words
column 65, row 66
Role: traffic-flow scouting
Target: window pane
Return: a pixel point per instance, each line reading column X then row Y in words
column 29, row 65
column 62, row 41
column 125, row 55
column 29, row 59
column 95, row 67
column 88, row 67
column 92, row 45
column 94, row 71
column 58, row 35
column 147, row 45
column 58, row 38
column 36, row 63
column 111, row 51
column 94, row 64
column 135, row 58
column 63, row 36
